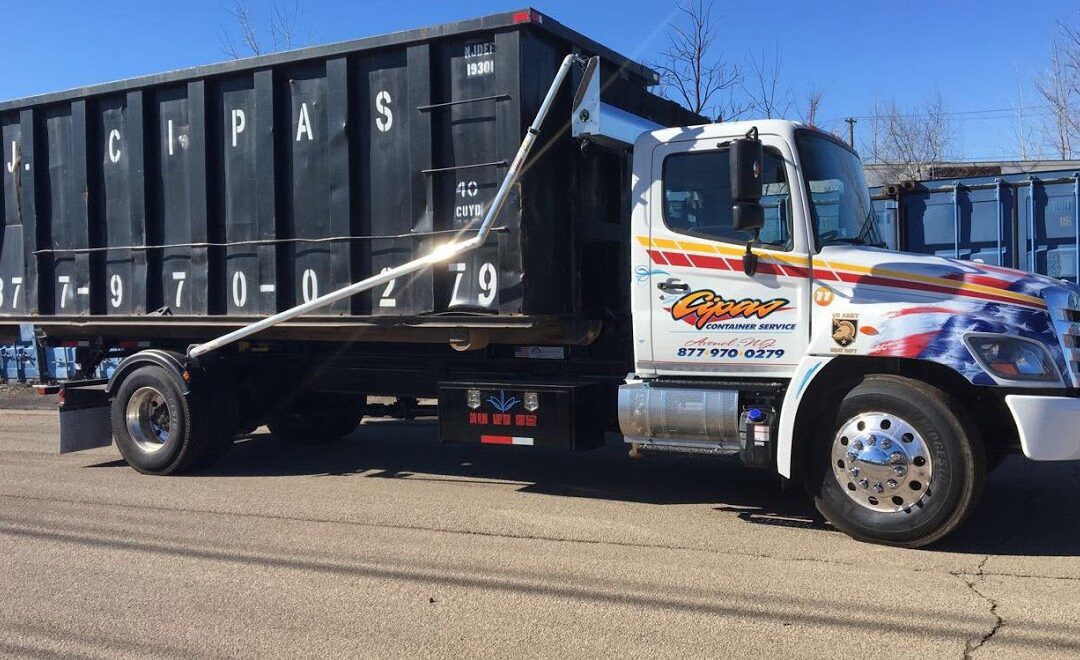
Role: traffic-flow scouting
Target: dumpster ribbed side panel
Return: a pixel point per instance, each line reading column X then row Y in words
column 244, row 283
column 12, row 258
column 177, row 183
column 119, row 287
column 473, row 149
column 394, row 148
column 315, row 184
column 62, row 210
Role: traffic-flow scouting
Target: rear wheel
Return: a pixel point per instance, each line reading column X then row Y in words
column 897, row 463
column 160, row 431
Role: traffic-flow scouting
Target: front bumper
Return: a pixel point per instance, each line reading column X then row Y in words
column 1049, row 426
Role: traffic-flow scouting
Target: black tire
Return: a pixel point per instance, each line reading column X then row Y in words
column 193, row 431
column 314, row 424
column 955, row 452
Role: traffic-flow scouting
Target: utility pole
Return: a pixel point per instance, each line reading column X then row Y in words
column 851, row 130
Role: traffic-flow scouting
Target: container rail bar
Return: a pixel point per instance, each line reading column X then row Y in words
column 439, row 254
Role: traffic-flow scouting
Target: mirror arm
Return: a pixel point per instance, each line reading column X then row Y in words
column 750, row 260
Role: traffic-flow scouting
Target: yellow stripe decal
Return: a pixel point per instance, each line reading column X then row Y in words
column 936, row 281
column 804, row 262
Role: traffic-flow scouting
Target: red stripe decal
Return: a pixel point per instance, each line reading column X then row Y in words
column 920, row 286
column 496, row 439
column 828, row 274
column 657, row 257
column 705, row 261
column 982, row 280
column 677, row 259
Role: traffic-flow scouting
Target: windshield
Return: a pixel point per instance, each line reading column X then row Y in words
column 839, row 199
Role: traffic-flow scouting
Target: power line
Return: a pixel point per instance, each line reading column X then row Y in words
column 963, row 115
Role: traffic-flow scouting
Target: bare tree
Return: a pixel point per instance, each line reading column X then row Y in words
column 1060, row 88
column 907, row 141
column 765, row 94
column 1022, row 130
column 243, row 38
column 812, row 106
column 691, row 69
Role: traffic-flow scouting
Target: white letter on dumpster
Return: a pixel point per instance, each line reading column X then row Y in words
column 303, row 124
column 238, row 124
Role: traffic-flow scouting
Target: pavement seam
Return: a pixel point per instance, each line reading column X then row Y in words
column 972, row 580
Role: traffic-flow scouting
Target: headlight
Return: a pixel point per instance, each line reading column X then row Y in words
column 1012, row 358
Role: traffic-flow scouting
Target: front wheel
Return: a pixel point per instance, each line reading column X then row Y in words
column 897, row 463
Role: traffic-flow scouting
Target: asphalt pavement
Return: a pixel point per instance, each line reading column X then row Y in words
column 390, row 544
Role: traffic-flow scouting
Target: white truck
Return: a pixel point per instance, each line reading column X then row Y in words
column 709, row 289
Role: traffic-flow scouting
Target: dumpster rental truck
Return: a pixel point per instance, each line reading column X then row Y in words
column 498, row 213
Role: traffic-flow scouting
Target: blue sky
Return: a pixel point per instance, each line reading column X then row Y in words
column 973, row 51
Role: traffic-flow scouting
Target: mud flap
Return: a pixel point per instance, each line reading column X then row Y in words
column 85, row 422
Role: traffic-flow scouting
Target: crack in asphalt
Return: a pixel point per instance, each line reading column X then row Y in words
column 972, row 581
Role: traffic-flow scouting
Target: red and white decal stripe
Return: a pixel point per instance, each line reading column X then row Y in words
column 506, row 440
column 975, row 286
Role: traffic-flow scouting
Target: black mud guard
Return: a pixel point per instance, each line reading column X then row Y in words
column 171, row 362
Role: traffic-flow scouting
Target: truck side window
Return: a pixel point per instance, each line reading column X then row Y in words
column 697, row 198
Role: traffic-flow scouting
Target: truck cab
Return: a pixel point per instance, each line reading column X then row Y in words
column 888, row 383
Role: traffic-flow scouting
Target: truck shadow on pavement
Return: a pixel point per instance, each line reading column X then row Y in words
column 1027, row 508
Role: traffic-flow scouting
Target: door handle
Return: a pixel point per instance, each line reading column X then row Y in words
column 672, row 285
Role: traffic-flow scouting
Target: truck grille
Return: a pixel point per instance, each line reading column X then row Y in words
column 1066, row 317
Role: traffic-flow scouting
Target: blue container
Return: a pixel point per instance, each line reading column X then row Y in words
column 1020, row 221
column 21, row 362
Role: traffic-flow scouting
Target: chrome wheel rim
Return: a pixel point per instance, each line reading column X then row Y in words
column 149, row 419
column 882, row 462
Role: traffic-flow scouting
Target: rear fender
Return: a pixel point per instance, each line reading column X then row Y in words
column 172, row 363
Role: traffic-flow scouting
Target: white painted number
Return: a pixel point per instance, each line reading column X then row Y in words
column 179, row 278
column 2, row 295
column 483, row 68
column 311, row 285
column 17, row 281
column 387, row 300
column 239, row 288
column 386, row 116
column 116, row 286
column 66, row 281
column 489, row 279
column 467, row 189
column 460, row 270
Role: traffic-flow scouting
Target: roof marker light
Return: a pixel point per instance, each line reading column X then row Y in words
column 526, row 16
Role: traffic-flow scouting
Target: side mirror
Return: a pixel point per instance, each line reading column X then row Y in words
column 745, row 164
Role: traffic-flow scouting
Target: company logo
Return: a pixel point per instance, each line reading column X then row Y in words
column 703, row 306
column 502, row 403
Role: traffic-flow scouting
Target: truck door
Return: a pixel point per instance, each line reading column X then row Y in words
column 709, row 318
